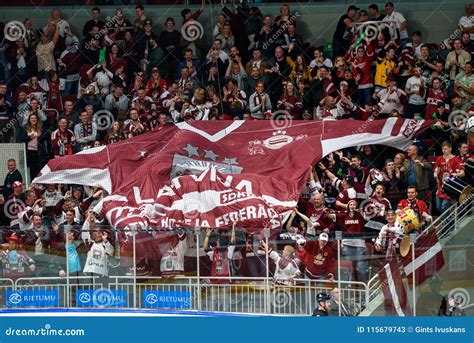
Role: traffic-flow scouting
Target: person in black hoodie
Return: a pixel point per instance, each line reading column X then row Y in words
column 169, row 39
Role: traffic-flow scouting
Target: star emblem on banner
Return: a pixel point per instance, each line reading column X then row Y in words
column 279, row 132
column 210, row 154
column 191, row 150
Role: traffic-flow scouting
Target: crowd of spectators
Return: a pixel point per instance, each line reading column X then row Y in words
column 56, row 87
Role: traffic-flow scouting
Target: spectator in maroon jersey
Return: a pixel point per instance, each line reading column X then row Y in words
column 133, row 127
column 63, row 139
column 418, row 206
column 358, row 173
column 317, row 257
column 434, row 96
column 15, row 262
column 351, row 222
column 345, row 187
column 380, row 204
column 446, row 167
column 220, row 254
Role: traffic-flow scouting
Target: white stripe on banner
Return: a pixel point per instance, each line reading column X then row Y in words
column 96, row 177
column 423, row 258
column 393, row 290
column 215, row 137
column 329, row 145
column 388, row 127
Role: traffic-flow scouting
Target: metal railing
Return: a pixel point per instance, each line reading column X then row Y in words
column 444, row 225
column 182, row 293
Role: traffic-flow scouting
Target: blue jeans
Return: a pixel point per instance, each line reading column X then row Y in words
column 70, row 87
column 357, row 256
column 364, row 96
column 443, row 204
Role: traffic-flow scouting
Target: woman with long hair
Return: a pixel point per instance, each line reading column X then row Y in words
column 130, row 55
column 32, row 135
column 34, row 108
column 301, row 70
column 115, row 133
column 291, row 102
column 156, row 84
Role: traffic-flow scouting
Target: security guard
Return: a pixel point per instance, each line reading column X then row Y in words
column 324, row 305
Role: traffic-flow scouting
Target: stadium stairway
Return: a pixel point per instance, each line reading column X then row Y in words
column 457, row 239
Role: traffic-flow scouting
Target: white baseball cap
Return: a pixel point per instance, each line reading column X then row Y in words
column 323, row 237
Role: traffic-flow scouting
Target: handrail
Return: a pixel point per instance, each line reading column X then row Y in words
column 51, row 278
column 373, row 284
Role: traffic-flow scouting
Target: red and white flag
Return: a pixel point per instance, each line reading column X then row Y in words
column 396, row 300
column 428, row 258
column 209, row 173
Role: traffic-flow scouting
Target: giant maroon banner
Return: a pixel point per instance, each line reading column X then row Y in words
column 211, row 173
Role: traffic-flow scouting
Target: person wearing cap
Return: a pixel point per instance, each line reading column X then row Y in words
column 142, row 43
column 307, row 116
column 13, row 175
column 398, row 20
column 156, row 84
column 341, row 38
column 317, row 257
column 169, row 39
column 14, row 260
column 324, row 305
